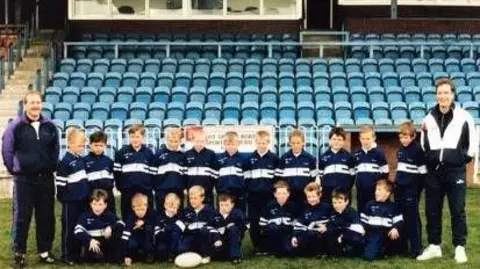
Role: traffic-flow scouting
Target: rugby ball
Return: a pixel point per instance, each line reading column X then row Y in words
column 188, row 260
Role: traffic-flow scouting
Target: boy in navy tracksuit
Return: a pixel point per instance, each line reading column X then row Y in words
column 371, row 165
column 167, row 233
column 276, row 222
column 133, row 170
column 99, row 168
column 382, row 221
column 72, row 192
column 259, row 177
column 229, row 227
column 231, row 171
column 196, row 223
column 336, row 166
column 409, row 182
column 344, row 232
column 138, row 236
column 201, row 166
column 307, row 238
column 98, row 230
column 297, row 167
column 169, row 169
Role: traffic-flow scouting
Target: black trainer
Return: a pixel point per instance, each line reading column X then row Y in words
column 49, row 259
column 19, row 260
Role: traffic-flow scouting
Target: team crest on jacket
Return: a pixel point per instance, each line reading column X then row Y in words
column 253, row 160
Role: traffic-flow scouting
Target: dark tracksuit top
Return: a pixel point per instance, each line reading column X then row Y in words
column 197, row 227
column 202, row 169
column 346, row 224
column 411, row 166
column 169, row 170
column 140, row 238
column 337, row 170
column 133, row 169
column 99, row 170
column 230, row 230
column 231, row 175
column 306, row 226
column 167, row 235
column 260, row 172
column 298, row 171
column 379, row 218
column 276, row 226
column 371, row 166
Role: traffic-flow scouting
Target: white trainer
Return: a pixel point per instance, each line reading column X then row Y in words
column 431, row 252
column 460, row 255
column 205, row 260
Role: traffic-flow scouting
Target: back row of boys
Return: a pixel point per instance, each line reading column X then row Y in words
column 248, row 181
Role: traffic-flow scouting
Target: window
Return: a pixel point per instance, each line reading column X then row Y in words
column 279, row 7
column 128, row 7
column 165, row 7
column 207, row 7
column 243, row 7
column 90, row 7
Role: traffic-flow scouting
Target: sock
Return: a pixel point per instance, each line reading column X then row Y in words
column 44, row 254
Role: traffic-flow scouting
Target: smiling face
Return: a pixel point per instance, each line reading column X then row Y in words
column 281, row 195
column 313, row 198
column 199, row 141
column 32, row 105
column 98, row 206
column 136, row 139
column 337, row 142
column 381, row 193
column 445, row 96
column 296, row 144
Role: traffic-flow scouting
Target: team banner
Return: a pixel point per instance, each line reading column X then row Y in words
column 215, row 136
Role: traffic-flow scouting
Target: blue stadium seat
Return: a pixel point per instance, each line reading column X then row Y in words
column 319, row 65
column 233, row 94
column 358, row 94
column 268, row 94
column 186, row 66
column 424, row 79
column 119, row 111
column 194, row 110
column 183, row 80
column 250, row 110
column 143, row 95
column 70, row 95
column 107, row 95
column 93, row 125
column 468, row 65
column 235, row 65
column 376, row 94
column 384, row 65
column 251, row 79
column 202, row 66
column 286, row 65
column 412, row 94
column 218, row 79
column 358, row 52
column 161, row 94
column 476, row 93
column 95, row 80
column 148, row 79
column 473, row 108
column 269, row 65
column 79, row 52
column 439, row 52
column 191, row 122
column 394, row 94
column 419, row 65
column 390, row 79
column 129, row 122
column 473, row 79
column 215, row 94
column 407, row 52
column 287, row 110
column 169, row 66
column 286, row 79
column 345, row 122
column 213, row 110
column 452, row 65
column 211, row 122
column 269, row 79
column 53, row 95
column 125, row 95
column 403, row 65
column 62, row 111
column 231, row 121
column 251, row 94
column 464, row 94
column 268, row 121
column 407, row 79
column 130, row 79
column 383, row 122
column 380, row 110
column 249, row 122
column 399, row 110
column 231, row 110
column 198, row 94
column 113, row 79
column 364, row 121
column 153, row 125
column 320, row 79
column 306, row 110
column 436, row 65
column 252, row 65
column 361, row 110
column 370, row 65
column 94, row 52
column 74, row 123
column 200, row 80
column 175, row 110
column 101, row 66
column 338, row 79
column 373, row 80
column 287, row 94
column 219, row 65
column 449, row 38
column 77, row 79
column 322, row 122
column 81, row 111
column 180, row 94
column 352, row 65
column 419, row 37
column 113, row 125
column 391, row 52
column 340, row 94
column 429, row 94
column 165, row 80
column 416, row 110
column 84, row 66
column 172, row 122
column 135, row 66
column 439, row 75
column 157, row 110
column 152, row 66
column 302, row 66
column 286, row 123
column 118, row 66
column 355, row 79
column 458, row 78
column 47, row 110
column 304, row 93
column 336, row 65
column 235, row 79
column 268, row 110
column 67, row 65
column 343, row 110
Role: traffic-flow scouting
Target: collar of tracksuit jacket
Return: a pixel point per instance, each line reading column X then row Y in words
column 443, row 119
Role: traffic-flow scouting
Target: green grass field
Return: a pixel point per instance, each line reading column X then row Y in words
column 250, row 261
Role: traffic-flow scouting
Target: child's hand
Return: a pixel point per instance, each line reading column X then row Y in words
column 218, row 243
column 339, row 239
column 94, row 246
column 128, row 261
column 107, row 233
column 322, row 228
column 393, row 234
column 294, row 242
column 138, row 224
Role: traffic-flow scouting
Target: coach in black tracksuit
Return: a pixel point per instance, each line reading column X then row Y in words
column 30, row 153
column 449, row 141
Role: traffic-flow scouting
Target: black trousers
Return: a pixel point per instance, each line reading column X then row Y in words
column 70, row 245
column 257, row 201
column 452, row 183
column 33, row 194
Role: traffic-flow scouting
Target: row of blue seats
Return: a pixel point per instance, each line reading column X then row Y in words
column 253, row 79
column 221, row 65
column 148, row 95
column 254, row 110
column 411, row 52
column 197, row 37
column 415, row 37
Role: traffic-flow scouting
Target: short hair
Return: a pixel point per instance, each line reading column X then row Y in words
column 139, row 199
column 136, row 128
column 171, row 199
column 385, row 183
column 224, row 197
column 74, row 132
column 197, row 189
column 337, row 131
column 444, row 81
column 296, row 133
column 281, row 184
column 341, row 193
column 98, row 137
column 365, row 128
column 231, row 135
column 170, row 131
column 313, row 187
column 407, row 128
column 30, row 93
column 97, row 195
column 199, row 133
column 263, row 134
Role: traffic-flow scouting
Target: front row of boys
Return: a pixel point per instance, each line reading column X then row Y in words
column 173, row 171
